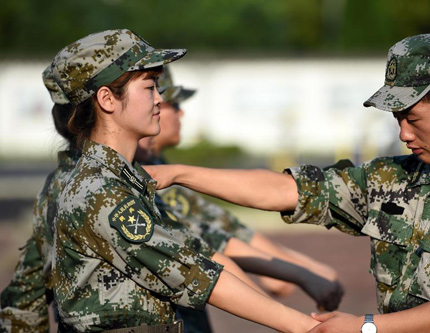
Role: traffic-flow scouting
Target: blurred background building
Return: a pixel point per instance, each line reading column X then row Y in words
column 278, row 83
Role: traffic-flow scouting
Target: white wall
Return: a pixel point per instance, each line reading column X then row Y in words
column 273, row 106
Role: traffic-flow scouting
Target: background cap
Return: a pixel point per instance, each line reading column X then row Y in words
column 54, row 89
column 100, row 58
column 407, row 75
column 170, row 92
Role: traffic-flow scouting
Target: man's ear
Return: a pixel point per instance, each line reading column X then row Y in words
column 106, row 99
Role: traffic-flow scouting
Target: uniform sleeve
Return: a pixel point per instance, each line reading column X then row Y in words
column 23, row 302
column 331, row 198
column 185, row 231
column 125, row 231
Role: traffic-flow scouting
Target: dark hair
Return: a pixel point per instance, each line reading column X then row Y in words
column 426, row 98
column 83, row 120
column 61, row 115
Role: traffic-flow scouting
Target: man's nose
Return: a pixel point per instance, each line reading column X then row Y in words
column 406, row 133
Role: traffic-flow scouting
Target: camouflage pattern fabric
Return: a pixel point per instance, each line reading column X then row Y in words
column 170, row 92
column 118, row 264
column 208, row 219
column 25, row 300
column 407, row 77
column 24, row 305
column 100, row 58
column 386, row 199
column 56, row 94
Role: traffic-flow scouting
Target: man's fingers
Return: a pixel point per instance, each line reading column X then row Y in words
column 323, row 316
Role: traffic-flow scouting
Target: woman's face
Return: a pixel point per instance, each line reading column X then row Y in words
column 140, row 114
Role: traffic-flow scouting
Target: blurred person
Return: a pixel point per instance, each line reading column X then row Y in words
column 24, row 302
column 386, row 199
column 118, row 265
column 209, row 217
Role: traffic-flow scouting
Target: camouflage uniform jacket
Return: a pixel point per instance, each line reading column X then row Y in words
column 117, row 262
column 212, row 222
column 24, row 302
column 386, row 199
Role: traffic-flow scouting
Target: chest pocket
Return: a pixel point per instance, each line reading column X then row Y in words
column 420, row 284
column 390, row 235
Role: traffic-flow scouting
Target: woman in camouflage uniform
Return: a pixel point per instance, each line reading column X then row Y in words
column 117, row 263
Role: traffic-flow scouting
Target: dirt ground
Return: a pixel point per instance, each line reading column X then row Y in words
column 349, row 255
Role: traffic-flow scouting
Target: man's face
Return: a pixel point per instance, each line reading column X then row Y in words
column 414, row 126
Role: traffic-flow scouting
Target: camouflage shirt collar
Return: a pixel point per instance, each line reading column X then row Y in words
column 68, row 158
column 151, row 183
column 116, row 163
column 421, row 175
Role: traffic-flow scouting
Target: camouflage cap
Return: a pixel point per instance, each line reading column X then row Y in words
column 170, row 92
column 407, row 76
column 54, row 89
column 100, row 58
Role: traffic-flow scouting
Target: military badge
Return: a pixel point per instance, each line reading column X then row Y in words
column 132, row 221
column 391, row 70
column 177, row 201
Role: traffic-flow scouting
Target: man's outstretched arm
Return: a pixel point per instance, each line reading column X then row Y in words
column 256, row 188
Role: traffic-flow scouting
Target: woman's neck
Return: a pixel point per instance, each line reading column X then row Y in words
column 123, row 144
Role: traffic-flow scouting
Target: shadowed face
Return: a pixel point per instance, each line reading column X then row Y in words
column 414, row 126
column 170, row 123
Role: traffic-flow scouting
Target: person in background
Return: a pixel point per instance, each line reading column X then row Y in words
column 24, row 302
column 117, row 264
column 386, row 199
column 209, row 218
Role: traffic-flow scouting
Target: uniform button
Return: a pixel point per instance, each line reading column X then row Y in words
column 419, row 251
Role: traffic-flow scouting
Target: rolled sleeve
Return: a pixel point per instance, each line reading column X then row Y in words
column 333, row 198
column 313, row 203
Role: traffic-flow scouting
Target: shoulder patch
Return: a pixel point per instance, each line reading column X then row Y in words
column 132, row 221
column 177, row 201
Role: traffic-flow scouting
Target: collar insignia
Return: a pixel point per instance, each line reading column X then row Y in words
column 132, row 180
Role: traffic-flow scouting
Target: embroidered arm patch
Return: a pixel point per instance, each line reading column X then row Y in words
column 132, row 221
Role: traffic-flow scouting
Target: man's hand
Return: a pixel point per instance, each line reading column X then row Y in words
column 163, row 174
column 337, row 322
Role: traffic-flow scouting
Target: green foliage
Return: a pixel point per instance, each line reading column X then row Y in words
column 207, row 154
column 31, row 28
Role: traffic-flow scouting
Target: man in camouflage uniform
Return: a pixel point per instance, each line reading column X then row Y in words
column 386, row 199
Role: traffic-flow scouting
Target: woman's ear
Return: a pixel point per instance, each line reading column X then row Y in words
column 106, row 99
